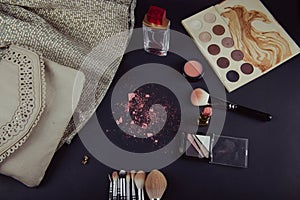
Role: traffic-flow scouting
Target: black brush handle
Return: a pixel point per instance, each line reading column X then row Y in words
column 248, row 112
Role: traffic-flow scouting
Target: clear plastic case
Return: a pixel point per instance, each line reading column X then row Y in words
column 229, row 151
column 222, row 150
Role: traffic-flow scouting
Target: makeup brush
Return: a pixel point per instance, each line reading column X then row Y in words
column 110, row 194
column 200, row 97
column 133, row 195
column 122, row 175
column 115, row 177
column 139, row 180
column 155, row 185
column 128, row 186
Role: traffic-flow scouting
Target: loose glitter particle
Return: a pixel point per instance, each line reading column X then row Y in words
column 119, row 121
column 130, row 96
column 150, row 134
column 144, row 126
column 150, row 121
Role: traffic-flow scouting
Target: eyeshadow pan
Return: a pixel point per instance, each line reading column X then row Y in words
column 232, row 76
column 247, row 68
column 227, row 42
column 223, row 62
column 213, row 49
column 196, row 24
column 210, row 17
column 218, row 30
column 237, row 55
column 205, row 36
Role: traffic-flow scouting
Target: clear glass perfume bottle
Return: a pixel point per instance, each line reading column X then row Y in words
column 156, row 31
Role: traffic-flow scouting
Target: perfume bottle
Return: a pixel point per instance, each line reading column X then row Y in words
column 156, row 31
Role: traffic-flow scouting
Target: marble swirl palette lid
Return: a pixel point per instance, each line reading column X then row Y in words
column 241, row 40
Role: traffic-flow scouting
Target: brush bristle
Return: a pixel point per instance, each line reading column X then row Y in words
column 122, row 173
column 132, row 173
column 155, row 184
column 139, row 179
column 199, row 97
column 115, row 176
column 128, row 177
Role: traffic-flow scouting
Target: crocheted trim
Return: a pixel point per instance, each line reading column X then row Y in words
column 32, row 98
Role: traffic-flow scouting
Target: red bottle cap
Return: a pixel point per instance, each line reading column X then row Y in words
column 156, row 17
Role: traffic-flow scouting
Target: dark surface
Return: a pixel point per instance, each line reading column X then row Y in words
column 274, row 162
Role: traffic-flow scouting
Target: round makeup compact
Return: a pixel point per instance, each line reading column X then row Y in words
column 193, row 70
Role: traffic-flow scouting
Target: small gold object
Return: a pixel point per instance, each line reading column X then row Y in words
column 85, row 160
column 203, row 120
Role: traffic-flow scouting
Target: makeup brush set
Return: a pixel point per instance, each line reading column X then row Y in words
column 130, row 185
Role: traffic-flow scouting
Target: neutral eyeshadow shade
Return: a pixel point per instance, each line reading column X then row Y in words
column 193, row 68
column 227, row 42
column 232, row 76
column 223, row 62
column 196, row 24
column 213, row 49
column 247, row 68
column 218, row 30
column 237, row 55
column 210, row 17
column 205, row 36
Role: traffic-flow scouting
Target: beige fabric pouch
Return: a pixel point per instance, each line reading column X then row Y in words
column 29, row 162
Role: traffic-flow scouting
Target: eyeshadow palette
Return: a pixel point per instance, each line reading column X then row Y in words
column 241, row 40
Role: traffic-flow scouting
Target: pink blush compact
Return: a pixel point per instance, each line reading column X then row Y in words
column 193, row 70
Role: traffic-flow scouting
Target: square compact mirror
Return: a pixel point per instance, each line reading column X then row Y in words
column 229, row 151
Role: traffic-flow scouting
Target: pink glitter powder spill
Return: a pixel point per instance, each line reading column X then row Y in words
column 131, row 96
column 147, row 119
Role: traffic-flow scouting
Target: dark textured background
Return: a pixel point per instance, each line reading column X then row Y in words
column 274, row 147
